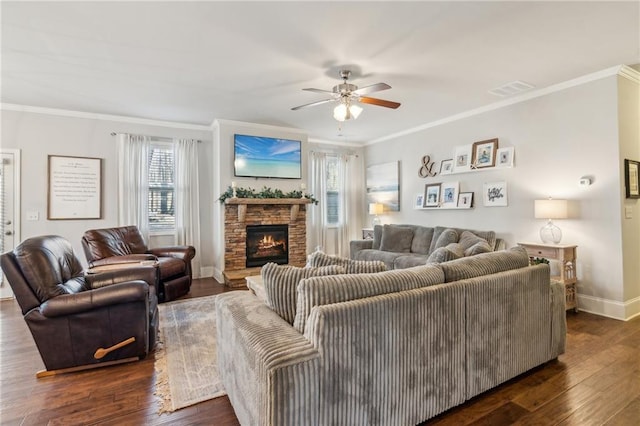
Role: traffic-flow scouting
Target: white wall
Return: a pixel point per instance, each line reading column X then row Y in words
column 558, row 138
column 38, row 135
column 629, row 125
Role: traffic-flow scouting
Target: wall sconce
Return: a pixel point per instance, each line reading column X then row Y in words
column 550, row 209
column 376, row 209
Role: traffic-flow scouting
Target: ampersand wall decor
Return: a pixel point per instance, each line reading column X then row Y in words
column 426, row 169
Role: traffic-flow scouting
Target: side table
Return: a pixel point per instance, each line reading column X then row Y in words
column 566, row 257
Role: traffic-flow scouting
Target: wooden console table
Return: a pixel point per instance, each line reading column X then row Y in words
column 566, row 257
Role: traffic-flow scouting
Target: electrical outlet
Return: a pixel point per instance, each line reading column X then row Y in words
column 628, row 212
column 33, row 216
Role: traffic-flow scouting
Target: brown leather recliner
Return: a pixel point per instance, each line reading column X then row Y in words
column 111, row 246
column 81, row 321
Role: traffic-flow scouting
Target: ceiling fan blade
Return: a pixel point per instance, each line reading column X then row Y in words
column 370, row 89
column 379, row 102
column 312, row 104
column 310, row 89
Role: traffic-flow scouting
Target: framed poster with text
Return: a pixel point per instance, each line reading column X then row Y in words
column 74, row 188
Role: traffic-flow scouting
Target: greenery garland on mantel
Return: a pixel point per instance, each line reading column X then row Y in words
column 264, row 193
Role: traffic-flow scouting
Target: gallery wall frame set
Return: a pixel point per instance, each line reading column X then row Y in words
column 444, row 195
column 631, row 178
column 74, row 188
column 480, row 155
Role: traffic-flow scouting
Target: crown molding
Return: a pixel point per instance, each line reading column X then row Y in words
column 622, row 70
column 220, row 121
column 629, row 73
column 104, row 117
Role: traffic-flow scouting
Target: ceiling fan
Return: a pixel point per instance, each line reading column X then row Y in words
column 348, row 95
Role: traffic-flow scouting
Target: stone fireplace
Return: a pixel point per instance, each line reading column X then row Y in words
column 243, row 213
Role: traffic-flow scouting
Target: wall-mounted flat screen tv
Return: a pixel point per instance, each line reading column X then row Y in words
column 262, row 157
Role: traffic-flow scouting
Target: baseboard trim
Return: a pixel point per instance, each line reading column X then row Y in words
column 623, row 311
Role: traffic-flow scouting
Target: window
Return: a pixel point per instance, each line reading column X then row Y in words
column 161, row 188
column 333, row 195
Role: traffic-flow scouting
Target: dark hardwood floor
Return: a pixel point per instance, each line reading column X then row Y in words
column 596, row 382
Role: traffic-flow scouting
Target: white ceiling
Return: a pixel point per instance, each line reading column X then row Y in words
column 248, row 61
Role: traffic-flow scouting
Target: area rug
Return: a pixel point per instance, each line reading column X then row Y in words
column 186, row 361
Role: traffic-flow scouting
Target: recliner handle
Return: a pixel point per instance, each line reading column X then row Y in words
column 101, row 352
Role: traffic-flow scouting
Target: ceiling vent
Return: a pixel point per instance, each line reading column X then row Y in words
column 511, row 89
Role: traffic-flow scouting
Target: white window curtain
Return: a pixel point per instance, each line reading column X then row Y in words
column 350, row 201
column 187, row 193
column 133, row 182
column 318, row 215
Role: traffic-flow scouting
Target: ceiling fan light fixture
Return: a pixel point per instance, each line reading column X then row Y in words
column 340, row 112
column 344, row 112
column 355, row 111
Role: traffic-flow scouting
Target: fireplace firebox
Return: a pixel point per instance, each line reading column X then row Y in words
column 267, row 243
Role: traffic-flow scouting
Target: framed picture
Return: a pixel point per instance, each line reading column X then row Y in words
column 495, row 194
column 432, row 195
column 446, row 167
column 631, row 182
column 484, row 153
column 449, row 192
column 462, row 159
column 465, row 200
column 74, row 188
column 504, row 157
column 419, row 201
column 383, row 185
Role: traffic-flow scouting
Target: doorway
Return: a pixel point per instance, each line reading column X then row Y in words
column 9, row 208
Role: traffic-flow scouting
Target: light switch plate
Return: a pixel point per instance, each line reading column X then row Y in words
column 628, row 212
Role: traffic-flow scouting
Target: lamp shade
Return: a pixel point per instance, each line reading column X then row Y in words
column 551, row 209
column 376, row 208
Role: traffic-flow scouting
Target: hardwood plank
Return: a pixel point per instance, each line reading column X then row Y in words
column 595, row 382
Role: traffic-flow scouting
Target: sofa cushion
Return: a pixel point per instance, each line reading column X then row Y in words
column 443, row 239
column 477, row 248
column 421, row 242
column 384, row 256
column 280, row 282
column 341, row 288
column 396, row 239
column 319, row 259
column 485, row 264
column 409, row 260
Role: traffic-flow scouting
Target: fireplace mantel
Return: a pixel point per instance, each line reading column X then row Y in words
column 243, row 202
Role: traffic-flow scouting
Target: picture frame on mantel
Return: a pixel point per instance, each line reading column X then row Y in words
column 631, row 178
column 74, row 188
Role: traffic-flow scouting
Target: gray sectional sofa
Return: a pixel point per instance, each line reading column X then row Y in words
column 388, row 348
column 405, row 246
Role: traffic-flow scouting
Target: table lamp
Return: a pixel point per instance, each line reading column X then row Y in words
column 376, row 209
column 550, row 209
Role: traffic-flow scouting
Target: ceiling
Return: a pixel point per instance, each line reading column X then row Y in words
column 194, row 62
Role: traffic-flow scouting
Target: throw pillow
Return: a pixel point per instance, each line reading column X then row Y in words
column 447, row 237
column 473, row 244
column 319, row 259
column 477, row 248
column 281, row 282
column 442, row 254
column 396, row 239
